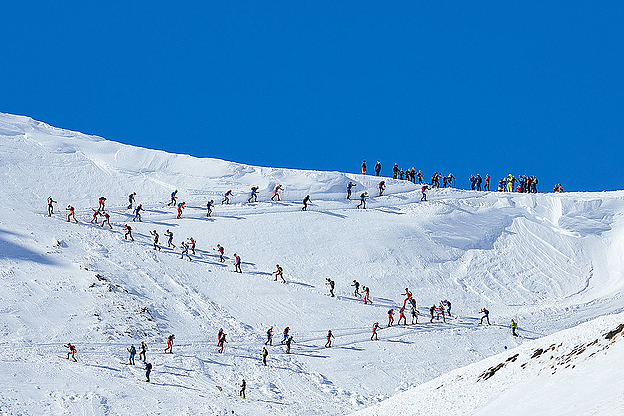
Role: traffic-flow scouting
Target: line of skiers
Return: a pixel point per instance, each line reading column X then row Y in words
column 524, row 184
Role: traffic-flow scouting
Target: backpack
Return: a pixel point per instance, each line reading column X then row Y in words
column 149, row 366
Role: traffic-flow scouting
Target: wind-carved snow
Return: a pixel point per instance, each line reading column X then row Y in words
column 548, row 261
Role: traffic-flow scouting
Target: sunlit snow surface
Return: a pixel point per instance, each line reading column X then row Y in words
column 549, row 261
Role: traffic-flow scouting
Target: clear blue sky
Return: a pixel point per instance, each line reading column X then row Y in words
column 464, row 87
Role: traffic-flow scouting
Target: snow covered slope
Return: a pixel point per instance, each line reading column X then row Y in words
column 550, row 261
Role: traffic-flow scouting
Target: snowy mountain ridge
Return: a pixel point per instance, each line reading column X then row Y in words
column 549, row 261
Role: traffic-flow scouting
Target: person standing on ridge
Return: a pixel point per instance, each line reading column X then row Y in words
column 174, row 198
column 226, row 198
column 514, row 325
column 420, row 177
column 364, row 168
column 50, row 206
column 131, row 200
column 279, row 273
column 237, row 263
column 71, row 213
column 209, row 206
column 276, row 192
column 254, row 194
column 487, row 182
column 156, row 238
column 169, row 236
column 486, row 315
column 170, row 339
column 128, row 233
column 395, row 171
column 329, row 337
column 305, row 203
column 349, row 186
column 377, row 168
column 132, row 352
column 137, row 213
column 363, row 200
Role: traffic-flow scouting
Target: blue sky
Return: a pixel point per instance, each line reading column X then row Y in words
column 463, row 87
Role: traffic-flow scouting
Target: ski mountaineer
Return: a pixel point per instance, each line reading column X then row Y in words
column 132, row 352
column 174, row 198
column 279, row 272
column 170, row 339
column 137, row 213
column 265, row 353
column 237, row 263
column 276, row 192
column 148, row 370
column 420, row 177
column 50, row 206
column 402, row 316
column 288, row 342
column 414, row 315
column 377, row 168
column 219, row 335
column 363, row 200
column 349, row 186
column 375, row 329
column 181, row 206
column 382, row 187
column 94, row 219
column 72, row 351
column 143, row 352
column 448, row 307
column 285, row 333
column 432, row 311
column 128, row 233
column 364, row 168
column 367, row 295
column 269, row 340
column 156, row 237
column 101, row 202
column 169, row 236
column 487, row 182
column 222, row 342
column 486, row 315
column 441, row 312
column 356, row 292
column 131, row 200
column 423, row 190
column 408, row 296
column 185, row 249
column 106, row 221
column 395, row 171
column 331, row 285
column 305, row 203
column 221, row 251
column 71, row 213
column 209, row 206
column 329, row 337
column 514, row 325
column 254, row 194
column 243, row 387
column 226, row 198
column 390, row 317
column 191, row 243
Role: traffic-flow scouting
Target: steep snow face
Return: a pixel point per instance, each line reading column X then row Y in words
column 550, row 261
column 571, row 372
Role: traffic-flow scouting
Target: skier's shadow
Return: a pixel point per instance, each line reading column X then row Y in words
column 299, row 283
column 333, row 214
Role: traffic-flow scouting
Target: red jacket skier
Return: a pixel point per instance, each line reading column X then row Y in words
column 101, row 202
column 71, row 213
column 390, row 317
